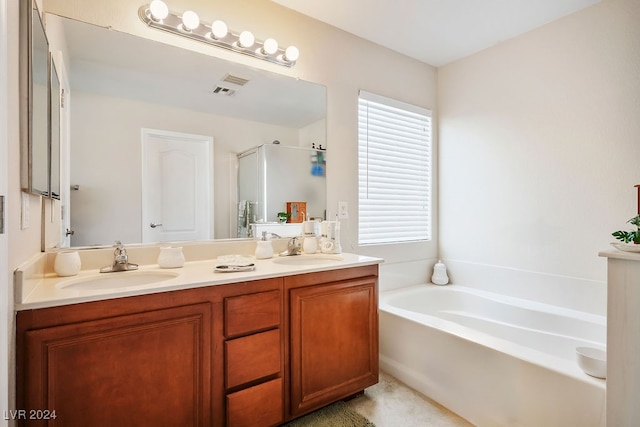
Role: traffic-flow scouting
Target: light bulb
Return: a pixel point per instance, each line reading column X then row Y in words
column 219, row 29
column 291, row 54
column 246, row 39
column 159, row 10
column 270, row 46
column 190, row 20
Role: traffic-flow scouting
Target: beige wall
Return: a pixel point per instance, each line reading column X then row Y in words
column 539, row 144
column 338, row 60
column 6, row 312
column 17, row 250
column 23, row 243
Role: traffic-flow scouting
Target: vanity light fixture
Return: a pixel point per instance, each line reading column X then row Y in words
column 269, row 47
column 246, row 40
column 158, row 10
column 157, row 15
column 219, row 29
column 291, row 54
column 190, row 21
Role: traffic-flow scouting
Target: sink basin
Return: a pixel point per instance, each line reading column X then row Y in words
column 307, row 260
column 124, row 279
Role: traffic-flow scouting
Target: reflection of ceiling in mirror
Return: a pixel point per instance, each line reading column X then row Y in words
column 134, row 67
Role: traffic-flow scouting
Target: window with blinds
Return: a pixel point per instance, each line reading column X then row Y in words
column 394, row 171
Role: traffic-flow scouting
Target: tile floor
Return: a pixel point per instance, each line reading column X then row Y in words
column 390, row 403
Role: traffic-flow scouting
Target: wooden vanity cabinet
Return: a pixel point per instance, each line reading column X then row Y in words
column 149, row 360
column 333, row 327
column 255, row 353
column 144, row 360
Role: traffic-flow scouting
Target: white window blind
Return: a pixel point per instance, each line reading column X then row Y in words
column 394, row 171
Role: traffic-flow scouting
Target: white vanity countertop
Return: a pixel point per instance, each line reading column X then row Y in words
column 47, row 292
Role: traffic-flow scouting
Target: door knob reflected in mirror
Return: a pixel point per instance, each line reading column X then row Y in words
column 154, row 225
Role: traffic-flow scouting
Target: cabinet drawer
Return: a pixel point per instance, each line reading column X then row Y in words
column 261, row 405
column 248, row 313
column 253, row 357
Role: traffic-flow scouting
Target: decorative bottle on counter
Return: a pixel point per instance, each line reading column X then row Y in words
column 310, row 244
column 171, row 257
column 67, row 263
column 440, row 274
column 311, row 230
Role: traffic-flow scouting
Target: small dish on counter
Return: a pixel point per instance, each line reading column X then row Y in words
column 626, row 247
column 234, row 268
column 592, row 361
column 234, row 263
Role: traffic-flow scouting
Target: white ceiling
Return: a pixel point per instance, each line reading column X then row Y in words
column 109, row 62
column 436, row 31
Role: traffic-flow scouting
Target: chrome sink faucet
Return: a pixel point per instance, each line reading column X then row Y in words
column 120, row 260
column 294, row 247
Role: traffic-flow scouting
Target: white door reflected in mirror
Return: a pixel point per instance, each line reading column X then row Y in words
column 177, row 182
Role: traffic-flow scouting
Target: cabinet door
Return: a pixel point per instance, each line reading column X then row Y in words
column 334, row 342
column 149, row 368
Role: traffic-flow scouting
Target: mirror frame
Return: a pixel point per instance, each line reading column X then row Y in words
column 55, row 106
column 27, row 26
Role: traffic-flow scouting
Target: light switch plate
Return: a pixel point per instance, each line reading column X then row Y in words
column 343, row 210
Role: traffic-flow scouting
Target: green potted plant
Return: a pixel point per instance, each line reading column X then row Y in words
column 283, row 216
column 629, row 236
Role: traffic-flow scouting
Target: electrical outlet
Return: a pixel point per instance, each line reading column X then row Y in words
column 343, row 210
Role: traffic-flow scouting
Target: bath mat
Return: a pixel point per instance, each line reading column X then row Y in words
column 336, row 415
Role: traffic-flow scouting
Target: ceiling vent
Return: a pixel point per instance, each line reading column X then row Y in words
column 230, row 78
column 221, row 90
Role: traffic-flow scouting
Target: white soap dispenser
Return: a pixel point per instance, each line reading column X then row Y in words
column 264, row 249
column 440, row 274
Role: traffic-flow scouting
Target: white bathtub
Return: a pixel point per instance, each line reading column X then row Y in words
column 494, row 360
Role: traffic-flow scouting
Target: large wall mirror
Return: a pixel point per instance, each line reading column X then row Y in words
column 34, row 101
column 120, row 85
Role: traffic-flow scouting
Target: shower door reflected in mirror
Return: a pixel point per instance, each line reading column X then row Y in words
column 271, row 175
